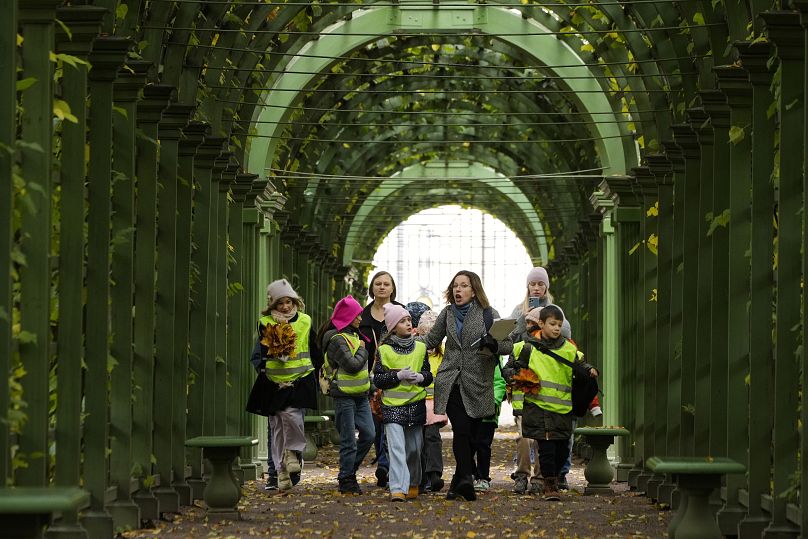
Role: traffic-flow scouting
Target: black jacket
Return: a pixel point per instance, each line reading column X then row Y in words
column 410, row 414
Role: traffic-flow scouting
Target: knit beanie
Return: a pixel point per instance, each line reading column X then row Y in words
column 345, row 311
column 393, row 314
column 426, row 322
column 566, row 329
column 280, row 289
column 538, row 275
column 416, row 309
column 533, row 315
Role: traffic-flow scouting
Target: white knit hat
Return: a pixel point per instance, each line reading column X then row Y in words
column 280, row 289
column 538, row 275
column 566, row 329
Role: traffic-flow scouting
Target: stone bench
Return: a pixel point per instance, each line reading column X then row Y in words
column 310, row 453
column 598, row 472
column 223, row 490
column 696, row 478
column 25, row 511
column 333, row 434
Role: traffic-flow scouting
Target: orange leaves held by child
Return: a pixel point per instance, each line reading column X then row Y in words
column 526, row 381
column 279, row 340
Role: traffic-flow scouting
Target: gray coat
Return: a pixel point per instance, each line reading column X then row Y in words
column 463, row 362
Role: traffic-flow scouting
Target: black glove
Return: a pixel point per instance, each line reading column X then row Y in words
column 489, row 343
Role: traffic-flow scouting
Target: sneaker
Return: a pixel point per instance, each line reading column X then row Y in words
column 349, row 485
column 481, row 485
column 381, row 477
column 412, row 493
column 520, row 484
column 272, row 483
column 466, row 490
column 291, row 461
column 551, row 493
column 435, row 482
column 398, row 497
column 535, row 486
column 562, row 483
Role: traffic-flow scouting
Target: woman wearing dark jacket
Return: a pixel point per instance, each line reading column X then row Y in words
column 345, row 366
column 464, row 384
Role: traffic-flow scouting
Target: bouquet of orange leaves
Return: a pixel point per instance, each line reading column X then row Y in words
column 526, row 381
column 279, row 340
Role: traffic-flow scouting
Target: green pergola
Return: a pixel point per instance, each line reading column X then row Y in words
column 163, row 160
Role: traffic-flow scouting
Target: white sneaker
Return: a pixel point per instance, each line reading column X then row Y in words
column 481, row 485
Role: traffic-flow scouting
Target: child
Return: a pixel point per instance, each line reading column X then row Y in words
column 432, row 453
column 292, row 377
column 346, row 368
column 547, row 416
column 402, row 372
column 527, row 471
column 482, row 449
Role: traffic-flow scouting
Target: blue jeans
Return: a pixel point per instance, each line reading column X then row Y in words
column 352, row 414
column 404, row 445
column 568, row 463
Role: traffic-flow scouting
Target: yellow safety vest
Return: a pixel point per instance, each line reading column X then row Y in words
column 350, row 384
column 403, row 393
column 434, row 365
column 555, row 394
column 518, row 397
column 299, row 364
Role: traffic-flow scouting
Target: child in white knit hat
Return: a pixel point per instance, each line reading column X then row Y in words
column 402, row 373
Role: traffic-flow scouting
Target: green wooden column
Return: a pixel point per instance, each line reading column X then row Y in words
column 200, row 420
column 754, row 58
column 36, row 19
column 785, row 31
column 107, row 56
column 734, row 82
column 127, row 88
column 149, row 110
column 703, row 287
column 84, row 23
column 645, row 185
column 166, row 387
column 662, row 170
column 802, row 5
column 8, row 135
column 193, row 135
column 715, row 105
column 687, row 141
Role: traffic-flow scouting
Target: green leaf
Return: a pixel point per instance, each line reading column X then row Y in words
column 721, row 220
column 121, row 11
column 736, row 134
column 121, row 111
column 25, row 83
column 3, row 313
column 65, row 29
column 62, row 111
column 698, row 18
column 26, row 337
column 636, row 246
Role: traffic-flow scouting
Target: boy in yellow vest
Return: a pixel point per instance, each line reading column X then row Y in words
column 547, row 416
column 402, row 373
column 346, row 368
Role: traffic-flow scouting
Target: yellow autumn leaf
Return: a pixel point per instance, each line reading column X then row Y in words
column 62, row 111
column 653, row 211
column 471, row 535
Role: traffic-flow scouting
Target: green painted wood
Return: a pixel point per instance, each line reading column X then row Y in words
column 166, row 387
column 695, row 465
column 155, row 100
column 84, row 23
column 704, row 280
column 221, row 441
column 29, row 500
column 108, row 54
column 735, row 84
column 787, row 34
column 126, row 91
column 193, row 134
column 761, row 358
column 37, row 20
column 8, row 133
column 235, row 299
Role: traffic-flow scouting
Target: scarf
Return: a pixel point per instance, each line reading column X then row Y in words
column 460, row 316
column 280, row 317
column 553, row 344
column 401, row 345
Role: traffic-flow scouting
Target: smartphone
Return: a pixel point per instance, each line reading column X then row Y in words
column 533, row 302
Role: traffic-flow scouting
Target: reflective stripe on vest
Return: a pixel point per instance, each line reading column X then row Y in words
column 430, row 391
column 403, row 393
column 517, row 400
column 555, row 392
column 350, row 384
column 299, row 364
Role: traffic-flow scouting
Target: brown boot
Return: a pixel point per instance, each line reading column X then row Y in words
column 551, row 493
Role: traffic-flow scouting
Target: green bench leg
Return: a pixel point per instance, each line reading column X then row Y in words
column 694, row 519
column 222, row 492
column 310, row 453
column 598, row 472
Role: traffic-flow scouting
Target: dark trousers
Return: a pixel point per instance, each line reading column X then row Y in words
column 482, row 450
column 431, row 455
column 465, row 431
column 552, row 456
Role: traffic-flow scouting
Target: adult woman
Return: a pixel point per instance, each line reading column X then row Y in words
column 464, row 385
column 382, row 290
column 537, row 294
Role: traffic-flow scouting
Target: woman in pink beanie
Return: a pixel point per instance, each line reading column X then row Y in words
column 345, row 372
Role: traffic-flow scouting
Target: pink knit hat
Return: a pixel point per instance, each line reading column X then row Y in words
column 345, row 311
column 393, row 314
column 533, row 314
column 538, row 275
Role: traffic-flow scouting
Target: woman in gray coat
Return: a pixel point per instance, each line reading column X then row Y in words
column 464, row 384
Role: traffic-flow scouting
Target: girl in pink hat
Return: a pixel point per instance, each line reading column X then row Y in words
column 345, row 371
